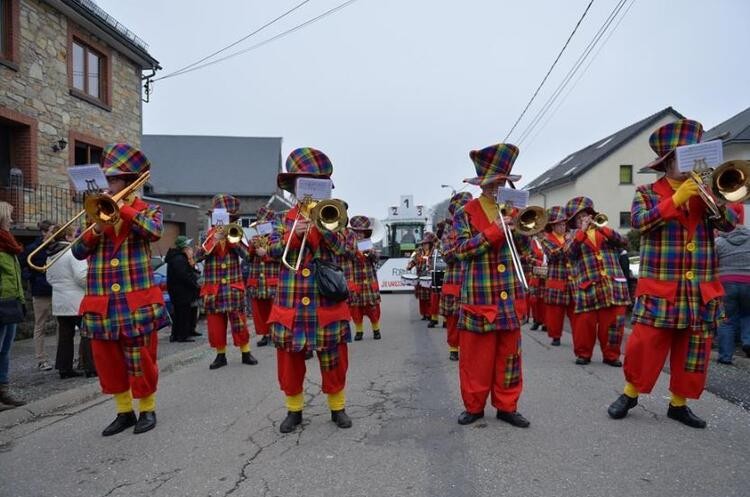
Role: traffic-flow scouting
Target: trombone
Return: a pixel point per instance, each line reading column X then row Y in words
column 528, row 222
column 322, row 214
column 98, row 208
column 729, row 182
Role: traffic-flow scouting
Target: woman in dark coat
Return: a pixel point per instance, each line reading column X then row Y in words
column 182, row 284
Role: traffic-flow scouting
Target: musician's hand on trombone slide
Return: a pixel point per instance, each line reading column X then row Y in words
column 301, row 227
column 688, row 189
column 508, row 221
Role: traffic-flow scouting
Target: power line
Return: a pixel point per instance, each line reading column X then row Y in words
column 265, row 42
column 570, row 37
column 572, row 72
column 269, row 23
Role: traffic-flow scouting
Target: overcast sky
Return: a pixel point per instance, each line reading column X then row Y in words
column 397, row 92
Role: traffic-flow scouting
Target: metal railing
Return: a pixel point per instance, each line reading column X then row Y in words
column 39, row 202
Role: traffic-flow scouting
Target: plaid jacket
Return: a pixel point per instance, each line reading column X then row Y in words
column 363, row 285
column 451, row 290
column 300, row 316
column 422, row 264
column 121, row 298
column 263, row 275
column 490, row 290
column 223, row 289
column 678, row 285
column 531, row 255
column 558, row 287
column 598, row 281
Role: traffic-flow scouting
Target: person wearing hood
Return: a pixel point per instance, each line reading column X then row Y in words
column 67, row 276
column 733, row 249
column 182, row 285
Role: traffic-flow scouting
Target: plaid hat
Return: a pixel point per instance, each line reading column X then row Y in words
column 265, row 215
column 457, row 201
column 429, row 237
column 226, row 201
column 576, row 205
column 121, row 159
column 556, row 214
column 182, row 242
column 493, row 164
column 667, row 138
column 304, row 162
column 361, row 223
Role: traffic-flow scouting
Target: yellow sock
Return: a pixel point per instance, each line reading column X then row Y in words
column 630, row 391
column 221, row 350
column 123, row 402
column 295, row 403
column 375, row 325
column 147, row 404
column 678, row 401
column 336, row 401
column 245, row 348
column 452, row 349
column 435, row 317
column 358, row 327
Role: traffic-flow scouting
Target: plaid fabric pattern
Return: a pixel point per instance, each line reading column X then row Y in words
column 119, row 270
column 598, row 279
column 456, row 202
column 223, row 289
column 122, row 158
column 558, row 287
column 304, row 161
column 677, row 280
column 453, row 271
column 556, row 214
column 132, row 353
column 359, row 223
column 263, row 277
column 301, row 318
column 364, row 290
column 513, row 369
column 675, row 134
column 697, row 353
column 616, row 331
column 225, row 201
column 576, row 205
column 489, row 288
column 492, row 163
column 421, row 263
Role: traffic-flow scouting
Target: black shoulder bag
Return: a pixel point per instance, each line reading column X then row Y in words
column 330, row 280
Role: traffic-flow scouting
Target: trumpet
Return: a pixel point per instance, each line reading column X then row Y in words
column 600, row 220
column 325, row 215
column 232, row 231
column 730, row 182
column 98, row 208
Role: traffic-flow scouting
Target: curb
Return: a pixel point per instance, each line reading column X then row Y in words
column 86, row 393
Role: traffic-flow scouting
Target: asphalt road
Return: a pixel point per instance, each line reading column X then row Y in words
column 218, row 433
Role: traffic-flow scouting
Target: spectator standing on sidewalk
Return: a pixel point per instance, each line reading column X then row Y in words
column 733, row 249
column 11, row 301
column 182, row 284
column 67, row 276
column 41, row 292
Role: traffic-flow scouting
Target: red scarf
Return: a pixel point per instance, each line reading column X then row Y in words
column 8, row 243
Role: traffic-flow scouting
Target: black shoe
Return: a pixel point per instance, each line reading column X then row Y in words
column 219, row 362
column 247, row 358
column 185, row 339
column 91, row 374
column 555, row 342
column 746, row 350
column 376, row 335
column 341, row 419
column 70, row 374
column 620, row 407
column 685, row 416
column 513, row 418
column 453, row 356
column 425, row 318
column 263, row 341
column 535, row 326
column 722, row 361
column 195, row 334
column 308, row 355
column 615, row 363
column 432, row 323
column 146, row 422
column 291, row 421
column 123, row 421
column 466, row 418
column 358, row 336
column 583, row 360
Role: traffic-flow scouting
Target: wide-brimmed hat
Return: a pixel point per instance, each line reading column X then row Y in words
column 556, row 214
column 667, row 138
column 265, row 215
column 123, row 159
column 226, row 201
column 428, row 237
column 361, row 223
column 493, row 164
column 576, row 205
column 304, row 162
column 457, row 201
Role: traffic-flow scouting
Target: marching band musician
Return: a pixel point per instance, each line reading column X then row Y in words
column 678, row 296
column 422, row 262
column 489, row 323
column 435, row 286
column 223, row 290
column 263, row 276
column 123, row 309
column 557, row 292
column 364, row 292
column 600, row 288
column 301, row 318
column 536, row 259
column 451, row 290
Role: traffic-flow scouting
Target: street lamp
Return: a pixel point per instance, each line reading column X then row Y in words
column 453, row 190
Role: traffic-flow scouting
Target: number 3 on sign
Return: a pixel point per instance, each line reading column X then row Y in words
column 419, row 210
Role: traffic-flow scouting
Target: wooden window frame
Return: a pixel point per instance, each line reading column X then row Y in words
column 75, row 136
column 11, row 27
column 620, row 174
column 105, row 73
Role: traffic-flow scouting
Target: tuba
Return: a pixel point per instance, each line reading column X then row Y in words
column 730, row 182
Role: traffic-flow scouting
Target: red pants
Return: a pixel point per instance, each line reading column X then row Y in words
column 608, row 324
column 261, row 311
column 689, row 352
column 554, row 315
column 490, row 363
column 290, row 367
column 122, row 366
column 359, row 312
column 217, row 330
column 537, row 310
column 452, row 322
column 424, row 307
column 434, row 304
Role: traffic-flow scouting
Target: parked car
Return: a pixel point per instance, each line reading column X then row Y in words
column 160, row 278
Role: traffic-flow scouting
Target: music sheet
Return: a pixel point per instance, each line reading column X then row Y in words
column 699, row 156
column 87, row 177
